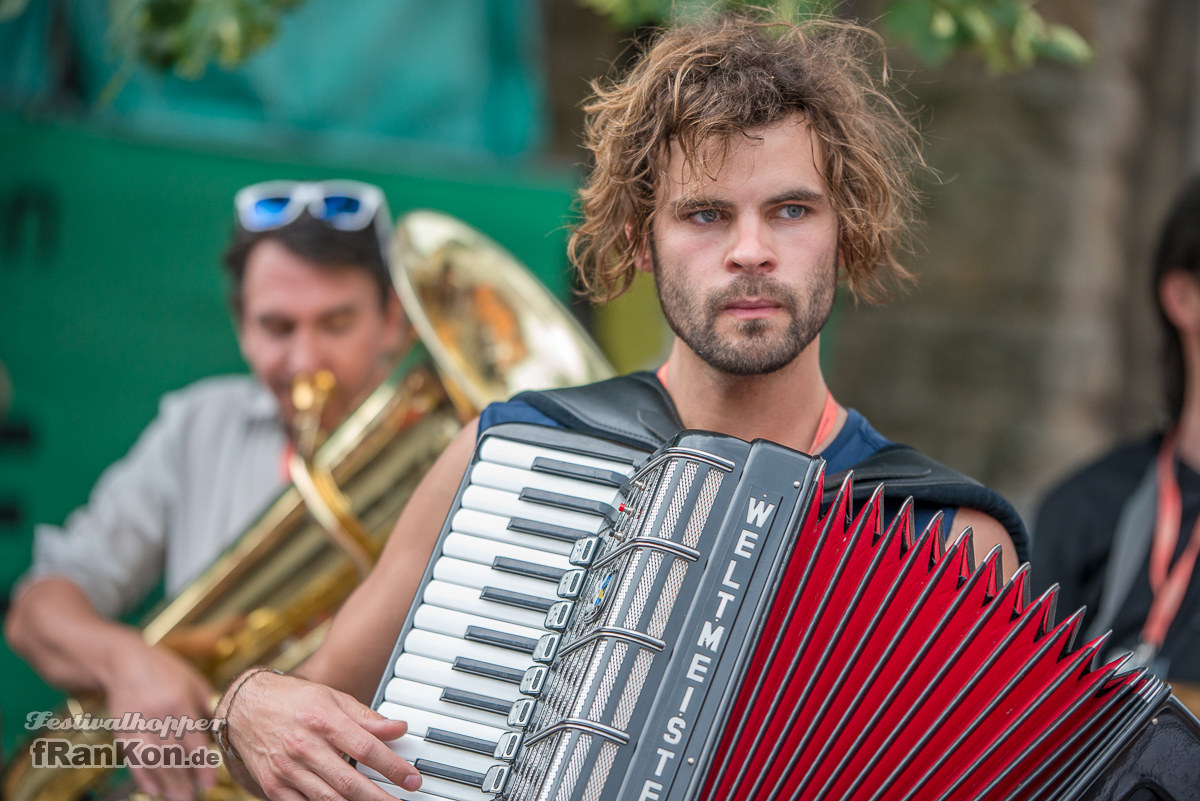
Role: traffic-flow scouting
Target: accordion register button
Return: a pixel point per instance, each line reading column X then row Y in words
column 521, row 713
column 534, row 680
column 508, row 746
column 559, row 615
column 495, row 779
column 571, row 584
column 546, row 648
column 584, row 551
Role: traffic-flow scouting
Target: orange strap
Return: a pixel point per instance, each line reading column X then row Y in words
column 1168, row 583
column 824, row 425
column 284, row 457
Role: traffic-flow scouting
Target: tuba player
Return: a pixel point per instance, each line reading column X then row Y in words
column 310, row 291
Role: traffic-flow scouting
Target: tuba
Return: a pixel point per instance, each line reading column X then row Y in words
column 483, row 327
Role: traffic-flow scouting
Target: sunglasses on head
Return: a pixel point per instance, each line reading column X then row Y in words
column 345, row 205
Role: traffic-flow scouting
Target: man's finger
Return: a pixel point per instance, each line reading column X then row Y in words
column 384, row 728
column 363, row 747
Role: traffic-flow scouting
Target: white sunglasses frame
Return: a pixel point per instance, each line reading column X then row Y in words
column 309, row 195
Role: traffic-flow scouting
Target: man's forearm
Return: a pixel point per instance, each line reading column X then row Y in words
column 54, row 627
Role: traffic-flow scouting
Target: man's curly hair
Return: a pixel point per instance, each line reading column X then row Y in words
column 700, row 85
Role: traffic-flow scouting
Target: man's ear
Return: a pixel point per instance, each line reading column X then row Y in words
column 642, row 259
column 1179, row 296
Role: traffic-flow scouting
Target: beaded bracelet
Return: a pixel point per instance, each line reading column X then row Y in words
column 220, row 728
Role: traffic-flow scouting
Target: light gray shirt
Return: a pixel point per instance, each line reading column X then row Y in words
column 200, row 473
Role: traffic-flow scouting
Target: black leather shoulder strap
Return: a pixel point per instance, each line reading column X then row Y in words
column 906, row 472
column 633, row 409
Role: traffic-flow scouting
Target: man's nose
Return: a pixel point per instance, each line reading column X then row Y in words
column 305, row 354
column 752, row 247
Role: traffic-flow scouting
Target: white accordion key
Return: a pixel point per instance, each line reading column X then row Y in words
column 422, row 721
column 447, row 649
column 488, row 710
column 476, row 629
column 512, row 479
column 521, row 454
column 432, row 788
column 486, row 603
column 444, row 674
column 509, row 505
column 413, row 748
column 479, row 576
column 429, row 726
column 477, row 549
column 495, row 527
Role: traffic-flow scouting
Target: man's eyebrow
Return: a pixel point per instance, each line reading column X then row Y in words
column 348, row 308
column 686, row 205
column 802, row 195
column 271, row 315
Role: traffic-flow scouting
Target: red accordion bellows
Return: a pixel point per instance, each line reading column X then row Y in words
column 891, row 669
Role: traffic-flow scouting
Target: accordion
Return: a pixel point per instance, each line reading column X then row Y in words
column 597, row 622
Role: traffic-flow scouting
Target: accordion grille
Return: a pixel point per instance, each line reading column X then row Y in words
column 535, row 762
column 608, row 682
column 600, row 773
column 704, row 503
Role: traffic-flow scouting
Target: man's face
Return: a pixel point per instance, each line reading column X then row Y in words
column 746, row 262
column 298, row 318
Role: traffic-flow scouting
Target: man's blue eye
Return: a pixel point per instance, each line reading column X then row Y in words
column 793, row 211
column 706, row 215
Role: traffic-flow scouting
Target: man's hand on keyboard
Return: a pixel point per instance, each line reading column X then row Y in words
column 292, row 736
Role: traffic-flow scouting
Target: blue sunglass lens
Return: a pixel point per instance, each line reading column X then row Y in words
column 269, row 210
column 340, row 205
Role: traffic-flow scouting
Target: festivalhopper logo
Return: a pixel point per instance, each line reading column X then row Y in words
column 129, row 748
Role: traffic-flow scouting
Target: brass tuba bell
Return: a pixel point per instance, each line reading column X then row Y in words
column 485, row 328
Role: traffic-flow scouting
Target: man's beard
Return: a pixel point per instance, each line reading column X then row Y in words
column 755, row 349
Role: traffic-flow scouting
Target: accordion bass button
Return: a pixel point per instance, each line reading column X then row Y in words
column 507, row 746
column 584, row 551
column 534, row 680
column 547, row 647
column 571, row 584
column 559, row 615
column 495, row 779
column 521, row 713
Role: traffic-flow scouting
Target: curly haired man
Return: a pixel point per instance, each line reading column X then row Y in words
column 748, row 166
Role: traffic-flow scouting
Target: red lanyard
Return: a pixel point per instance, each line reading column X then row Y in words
column 285, row 457
column 824, row 425
column 1169, row 583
